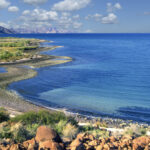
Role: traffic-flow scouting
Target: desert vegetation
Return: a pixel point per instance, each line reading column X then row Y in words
column 46, row 129
column 12, row 49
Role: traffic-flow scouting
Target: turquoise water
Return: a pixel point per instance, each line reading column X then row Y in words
column 109, row 75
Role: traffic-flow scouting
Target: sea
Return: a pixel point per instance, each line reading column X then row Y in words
column 108, row 77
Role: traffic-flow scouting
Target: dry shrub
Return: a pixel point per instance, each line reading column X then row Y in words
column 70, row 131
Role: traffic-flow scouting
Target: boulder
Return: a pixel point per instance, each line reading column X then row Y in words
column 50, row 145
column 100, row 147
column 141, row 142
column 76, row 145
column 81, row 136
column 112, row 139
column 30, row 144
column 2, row 147
column 45, row 133
column 14, row 147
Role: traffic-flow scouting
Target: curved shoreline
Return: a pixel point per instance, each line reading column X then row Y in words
column 17, row 72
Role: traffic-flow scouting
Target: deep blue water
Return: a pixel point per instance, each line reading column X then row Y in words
column 109, row 76
column 2, row 70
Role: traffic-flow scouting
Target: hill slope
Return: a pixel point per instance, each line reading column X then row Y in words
column 5, row 30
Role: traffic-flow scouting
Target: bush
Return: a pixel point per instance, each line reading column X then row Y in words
column 5, row 133
column 32, row 129
column 70, row 131
column 99, row 133
column 42, row 118
column 6, row 55
column 4, row 116
column 94, row 131
column 134, row 130
column 60, row 126
column 86, row 128
column 20, row 135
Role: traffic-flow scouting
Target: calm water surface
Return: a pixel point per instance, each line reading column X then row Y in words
column 109, row 76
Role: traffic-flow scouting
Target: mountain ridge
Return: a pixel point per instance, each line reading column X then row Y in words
column 4, row 30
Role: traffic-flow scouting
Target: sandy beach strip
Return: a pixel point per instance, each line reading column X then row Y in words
column 16, row 71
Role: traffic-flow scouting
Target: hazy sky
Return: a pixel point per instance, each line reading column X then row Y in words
column 99, row 16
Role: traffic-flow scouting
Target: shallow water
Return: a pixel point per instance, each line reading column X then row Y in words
column 109, row 76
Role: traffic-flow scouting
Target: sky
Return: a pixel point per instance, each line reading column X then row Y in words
column 79, row 16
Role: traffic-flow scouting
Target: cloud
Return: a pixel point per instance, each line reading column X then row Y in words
column 26, row 12
column 39, row 15
column 13, row 9
column 70, row 5
column 146, row 13
column 35, row 2
column 112, row 8
column 117, row 6
column 77, row 25
column 88, row 31
column 111, row 18
column 4, row 25
column 96, row 16
column 4, row 4
column 76, row 16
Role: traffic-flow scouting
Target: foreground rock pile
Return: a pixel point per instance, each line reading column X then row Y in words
column 88, row 142
column 48, row 139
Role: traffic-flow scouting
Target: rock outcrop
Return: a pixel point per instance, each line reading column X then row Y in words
column 47, row 139
column 88, row 142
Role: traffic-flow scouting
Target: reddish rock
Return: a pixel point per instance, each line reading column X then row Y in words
column 30, row 144
column 106, row 147
column 99, row 147
column 76, row 145
column 141, row 142
column 14, row 147
column 2, row 147
column 112, row 139
column 44, row 134
column 93, row 143
column 50, row 145
column 81, row 136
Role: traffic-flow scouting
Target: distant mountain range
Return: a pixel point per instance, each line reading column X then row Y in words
column 5, row 31
column 37, row 30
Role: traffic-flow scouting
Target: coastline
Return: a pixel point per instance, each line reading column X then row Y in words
column 16, row 72
column 22, row 70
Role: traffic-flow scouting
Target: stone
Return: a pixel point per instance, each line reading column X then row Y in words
column 45, row 133
column 14, row 147
column 81, row 136
column 77, row 145
column 141, row 142
column 30, row 144
column 99, row 147
column 106, row 147
column 50, row 145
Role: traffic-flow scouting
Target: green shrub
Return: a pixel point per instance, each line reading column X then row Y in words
column 96, row 132
column 18, row 53
column 4, row 116
column 20, row 135
column 134, row 130
column 5, row 133
column 60, row 126
column 6, row 55
column 86, row 128
column 41, row 118
column 32, row 129
column 99, row 133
